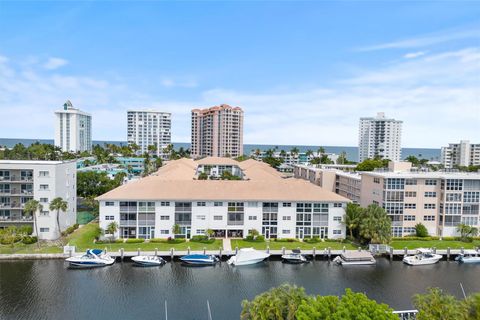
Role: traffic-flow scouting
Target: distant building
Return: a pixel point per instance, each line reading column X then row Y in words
column 148, row 127
column 439, row 200
column 23, row 180
column 290, row 159
column 73, row 129
column 380, row 137
column 217, row 132
column 460, row 154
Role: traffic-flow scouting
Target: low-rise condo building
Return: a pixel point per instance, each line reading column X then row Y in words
column 22, row 180
column 256, row 196
column 460, row 154
column 439, row 200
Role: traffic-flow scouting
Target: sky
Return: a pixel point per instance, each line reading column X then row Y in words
column 303, row 72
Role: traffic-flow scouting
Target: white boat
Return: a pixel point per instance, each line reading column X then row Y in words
column 348, row 258
column 200, row 259
column 92, row 258
column 295, row 257
column 423, row 257
column 148, row 260
column 468, row 256
column 247, row 256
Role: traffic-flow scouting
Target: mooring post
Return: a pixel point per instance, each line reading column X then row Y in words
column 105, row 250
column 391, row 254
column 314, row 252
column 204, row 250
column 329, row 253
column 188, row 249
column 359, row 249
column 121, row 253
column 461, row 250
column 283, row 250
column 70, row 252
column 138, row 251
column 220, row 252
column 344, row 249
column 405, row 251
column 171, row 253
column 268, row 249
column 434, row 250
column 236, row 250
column 448, row 253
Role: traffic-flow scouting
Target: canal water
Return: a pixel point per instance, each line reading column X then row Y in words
column 47, row 289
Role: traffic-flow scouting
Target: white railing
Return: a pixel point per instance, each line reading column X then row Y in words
column 406, row 314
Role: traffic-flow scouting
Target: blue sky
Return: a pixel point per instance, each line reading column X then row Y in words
column 304, row 72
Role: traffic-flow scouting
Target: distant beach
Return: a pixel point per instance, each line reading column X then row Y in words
column 352, row 152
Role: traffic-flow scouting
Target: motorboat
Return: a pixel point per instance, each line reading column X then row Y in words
column 148, row 260
column 199, row 259
column 246, row 256
column 423, row 257
column 92, row 258
column 295, row 257
column 349, row 258
column 468, row 256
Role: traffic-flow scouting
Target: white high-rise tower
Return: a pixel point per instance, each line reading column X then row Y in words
column 380, row 137
column 73, row 129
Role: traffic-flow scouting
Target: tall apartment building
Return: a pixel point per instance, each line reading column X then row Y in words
column 73, row 129
column 149, row 127
column 262, row 199
column 439, row 200
column 381, row 137
column 22, row 180
column 461, row 154
column 217, row 132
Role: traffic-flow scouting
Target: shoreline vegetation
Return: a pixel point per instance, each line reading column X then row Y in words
column 84, row 237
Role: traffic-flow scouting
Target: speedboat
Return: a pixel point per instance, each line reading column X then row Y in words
column 148, row 260
column 348, row 258
column 92, row 258
column 468, row 256
column 295, row 257
column 247, row 256
column 199, row 259
column 423, row 257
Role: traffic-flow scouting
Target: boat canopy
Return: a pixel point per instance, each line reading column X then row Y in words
column 424, row 250
column 356, row 255
column 95, row 251
column 296, row 251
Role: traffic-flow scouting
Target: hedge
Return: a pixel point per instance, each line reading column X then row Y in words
column 286, row 240
column 169, row 240
column 135, row 240
column 29, row 240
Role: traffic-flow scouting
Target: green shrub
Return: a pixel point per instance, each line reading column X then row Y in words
column 260, row 238
column 75, row 226
column 158, row 240
column 26, row 230
column 199, row 238
column 333, row 240
column 249, row 238
column 420, row 230
column 135, row 240
column 286, row 240
column 175, row 241
column 29, row 240
column 312, row 240
column 119, row 240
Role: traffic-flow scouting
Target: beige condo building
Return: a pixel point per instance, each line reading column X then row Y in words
column 217, row 132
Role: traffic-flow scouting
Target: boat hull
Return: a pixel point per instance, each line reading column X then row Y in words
column 423, row 262
column 148, row 262
column 89, row 264
column 294, row 259
column 246, row 262
column 198, row 262
column 469, row 260
column 343, row 262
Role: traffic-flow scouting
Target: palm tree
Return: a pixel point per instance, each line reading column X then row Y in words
column 176, row 229
column 321, row 150
column 58, row 204
column 258, row 152
column 352, row 216
column 112, row 228
column 375, row 226
column 309, row 153
column 152, row 148
column 30, row 209
column 466, row 231
column 294, row 151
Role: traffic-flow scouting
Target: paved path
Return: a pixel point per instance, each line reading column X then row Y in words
column 227, row 245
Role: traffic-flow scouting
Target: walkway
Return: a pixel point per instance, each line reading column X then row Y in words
column 227, row 245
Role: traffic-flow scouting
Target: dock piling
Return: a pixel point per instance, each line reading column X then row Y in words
column 344, row 249
column 204, row 250
column 220, row 252
column 268, row 249
column 138, row 251
column 405, row 251
column 434, row 250
column 391, row 253
column 329, row 250
column 448, row 253
column 171, row 253
column 121, row 253
column 236, row 250
column 359, row 249
column 188, row 250
column 283, row 250
column 462, row 250
column 314, row 252
column 105, row 250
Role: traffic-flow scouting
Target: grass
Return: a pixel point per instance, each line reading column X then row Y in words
column 29, row 248
column 439, row 244
column 274, row 245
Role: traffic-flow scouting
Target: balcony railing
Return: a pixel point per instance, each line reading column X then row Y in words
column 146, row 222
column 128, row 223
column 235, row 223
column 15, row 219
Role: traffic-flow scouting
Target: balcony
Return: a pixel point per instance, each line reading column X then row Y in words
column 128, row 223
column 16, row 219
column 146, row 222
column 235, row 223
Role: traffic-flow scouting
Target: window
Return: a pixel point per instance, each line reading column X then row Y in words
column 287, row 204
column 164, row 217
column 410, row 206
column 164, row 231
column 393, row 208
column 109, row 204
column 395, row 196
column 43, row 174
column 218, row 204
column 217, row 218
column 453, row 208
column 287, row 218
column 201, row 217
column 337, row 218
column 109, row 217
column 376, row 180
column 471, row 208
column 408, row 218
column 411, row 182
column 43, row 200
column 429, row 206
column 44, row 187
column 252, row 204
column 201, row 204
column 430, row 194
column 410, row 194
column 454, row 184
column 409, row 230
column 164, row 204
column 430, row 182
column 469, row 197
column 428, row 218
column 454, row 197
column 471, row 221
column 337, row 205
column 320, row 207
column 285, row 231
column 42, row 230
column 44, row 213
column 337, row 231
column 394, row 183
column 200, row 231
column 252, row 217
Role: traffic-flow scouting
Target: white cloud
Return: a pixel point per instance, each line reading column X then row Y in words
column 413, row 55
column 171, row 83
column 472, row 32
column 54, row 63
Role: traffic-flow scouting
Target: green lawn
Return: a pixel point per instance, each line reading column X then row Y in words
column 29, row 248
column 439, row 244
column 274, row 245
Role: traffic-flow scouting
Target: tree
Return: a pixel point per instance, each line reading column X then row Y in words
column 421, row 230
column 472, row 307
column 209, row 233
column 294, row 152
column 31, row 208
column 203, row 176
column 321, row 150
column 254, row 233
column 112, row 228
column 466, row 232
column 350, row 306
column 375, row 226
column 278, row 303
column 371, row 164
column 352, row 216
column 176, row 229
column 91, row 184
column 158, row 163
column 58, row 204
column 342, row 158
column 273, row 162
column 436, row 304
column 309, row 153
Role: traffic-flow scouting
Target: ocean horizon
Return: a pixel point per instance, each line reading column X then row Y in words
column 352, row 152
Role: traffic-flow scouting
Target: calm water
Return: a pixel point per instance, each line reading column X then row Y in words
column 352, row 152
column 49, row 290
